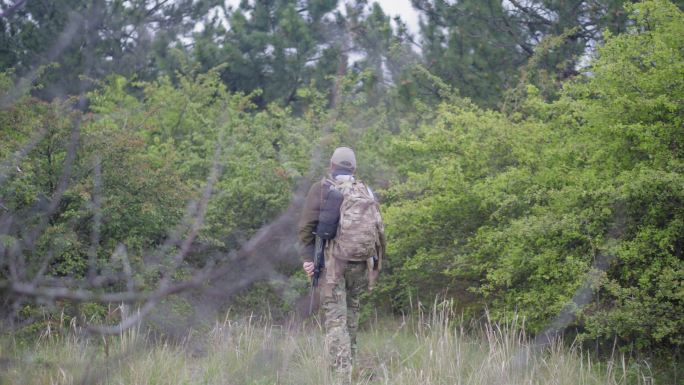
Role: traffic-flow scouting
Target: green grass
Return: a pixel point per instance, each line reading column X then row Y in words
column 431, row 349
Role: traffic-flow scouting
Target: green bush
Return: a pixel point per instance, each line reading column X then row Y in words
column 531, row 212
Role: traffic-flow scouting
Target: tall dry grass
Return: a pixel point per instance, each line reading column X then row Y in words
column 427, row 349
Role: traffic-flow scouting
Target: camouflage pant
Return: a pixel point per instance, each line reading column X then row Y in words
column 342, row 305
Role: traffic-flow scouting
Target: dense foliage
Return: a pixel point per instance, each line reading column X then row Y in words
column 565, row 205
column 567, row 211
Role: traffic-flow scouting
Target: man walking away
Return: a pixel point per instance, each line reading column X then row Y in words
column 352, row 258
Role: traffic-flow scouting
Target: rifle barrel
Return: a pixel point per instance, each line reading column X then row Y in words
column 319, row 263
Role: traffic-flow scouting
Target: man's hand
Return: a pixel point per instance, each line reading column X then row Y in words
column 308, row 268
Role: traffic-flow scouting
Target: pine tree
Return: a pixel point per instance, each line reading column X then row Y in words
column 478, row 46
column 92, row 38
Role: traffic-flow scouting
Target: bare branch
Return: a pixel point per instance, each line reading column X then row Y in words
column 530, row 12
column 97, row 219
column 126, row 323
column 10, row 166
column 123, row 256
column 24, row 84
column 13, row 9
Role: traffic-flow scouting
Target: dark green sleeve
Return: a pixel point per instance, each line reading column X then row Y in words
column 308, row 221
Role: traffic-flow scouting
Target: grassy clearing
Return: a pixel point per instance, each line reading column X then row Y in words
column 423, row 349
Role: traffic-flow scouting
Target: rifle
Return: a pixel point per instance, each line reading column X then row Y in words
column 326, row 229
column 319, row 264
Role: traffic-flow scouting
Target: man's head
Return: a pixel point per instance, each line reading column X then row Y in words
column 343, row 159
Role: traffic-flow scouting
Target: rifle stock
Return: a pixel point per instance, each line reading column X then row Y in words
column 319, row 264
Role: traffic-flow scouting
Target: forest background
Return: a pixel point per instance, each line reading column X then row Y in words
column 528, row 156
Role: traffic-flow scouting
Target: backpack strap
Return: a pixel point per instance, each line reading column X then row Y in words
column 326, row 183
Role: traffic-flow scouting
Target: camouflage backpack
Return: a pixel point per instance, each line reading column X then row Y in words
column 359, row 224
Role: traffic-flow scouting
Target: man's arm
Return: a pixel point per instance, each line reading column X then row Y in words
column 380, row 246
column 379, row 253
column 308, row 221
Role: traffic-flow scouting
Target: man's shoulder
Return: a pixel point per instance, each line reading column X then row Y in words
column 316, row 185
column 314, row 191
